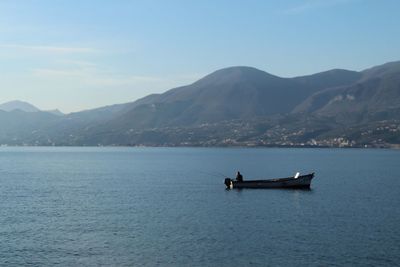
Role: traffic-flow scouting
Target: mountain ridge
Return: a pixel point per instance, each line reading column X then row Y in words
column 234, row 106
column 220, row 96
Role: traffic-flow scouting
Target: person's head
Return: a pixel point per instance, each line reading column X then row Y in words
column 238, row 172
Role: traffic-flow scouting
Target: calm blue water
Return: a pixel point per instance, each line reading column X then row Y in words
column 169, row 207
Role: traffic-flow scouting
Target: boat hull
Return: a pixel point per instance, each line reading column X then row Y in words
column 301, row 182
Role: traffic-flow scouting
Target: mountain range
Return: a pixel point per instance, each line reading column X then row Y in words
column 231, row 106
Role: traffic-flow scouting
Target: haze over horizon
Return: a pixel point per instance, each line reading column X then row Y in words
column 76, row 56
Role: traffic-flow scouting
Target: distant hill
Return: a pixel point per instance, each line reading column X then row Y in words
column 382, row 70
column 18, row 105
column 375, row 96
column 328, row 79
column 26, row 128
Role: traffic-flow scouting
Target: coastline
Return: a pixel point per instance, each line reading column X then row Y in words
column 388, row 147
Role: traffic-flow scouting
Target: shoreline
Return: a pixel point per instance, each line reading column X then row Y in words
column 393, row 147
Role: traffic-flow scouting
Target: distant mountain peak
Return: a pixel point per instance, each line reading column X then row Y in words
column 240, row 70
column 55, row 112
column 18, row 105
column 235, row 74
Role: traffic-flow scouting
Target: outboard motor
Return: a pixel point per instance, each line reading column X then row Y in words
column 228, row 182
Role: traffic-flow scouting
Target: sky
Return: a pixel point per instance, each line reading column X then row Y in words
column 81, row 54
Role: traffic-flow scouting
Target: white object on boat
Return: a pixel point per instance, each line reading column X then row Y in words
column 297, row 175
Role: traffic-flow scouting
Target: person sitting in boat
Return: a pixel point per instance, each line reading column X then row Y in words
column 239, row 177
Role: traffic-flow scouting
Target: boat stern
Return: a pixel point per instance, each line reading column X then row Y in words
column 229, row 183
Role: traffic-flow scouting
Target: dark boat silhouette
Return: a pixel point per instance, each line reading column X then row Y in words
column 295, row 182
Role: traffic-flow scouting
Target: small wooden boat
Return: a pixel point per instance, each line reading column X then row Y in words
column 296, row 182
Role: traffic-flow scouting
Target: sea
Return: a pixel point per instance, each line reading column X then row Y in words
column 132, row 206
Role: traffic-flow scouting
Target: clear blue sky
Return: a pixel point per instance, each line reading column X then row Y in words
column 79, row 54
